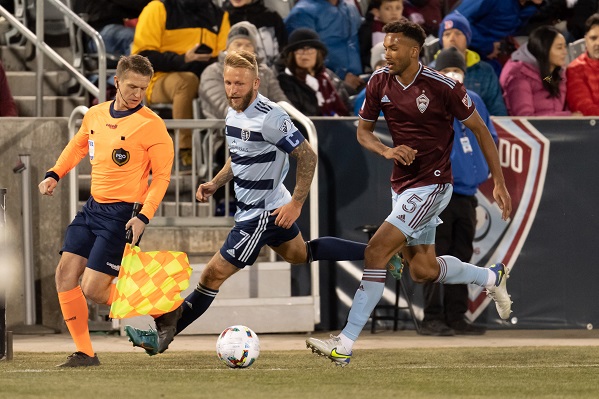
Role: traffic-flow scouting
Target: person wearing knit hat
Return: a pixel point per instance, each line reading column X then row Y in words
column 213, row 100
column 445, row 306
column 241, row 30
column 455, row 20
column 304, row 37
column 455, row 31
column 377, row 54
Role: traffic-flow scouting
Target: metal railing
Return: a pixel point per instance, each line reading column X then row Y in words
column 37, row 39
column 212, row 125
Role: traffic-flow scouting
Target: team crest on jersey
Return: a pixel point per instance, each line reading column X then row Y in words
column 287, row 126
column 120, row 156
column 422, row 103
column 467, row 101
column 245, row 134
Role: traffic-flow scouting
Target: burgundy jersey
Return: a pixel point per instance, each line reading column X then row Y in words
column 419, row 115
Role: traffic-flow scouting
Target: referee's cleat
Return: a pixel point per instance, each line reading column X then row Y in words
column 145, row 339
column 498, row 293
column 395, row 266
column 331, row 348
column 167, row 328
column 80, row 359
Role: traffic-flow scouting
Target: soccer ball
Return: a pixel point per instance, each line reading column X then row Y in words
column 238, row 346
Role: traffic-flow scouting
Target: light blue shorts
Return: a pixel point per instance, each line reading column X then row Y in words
column 416, row 212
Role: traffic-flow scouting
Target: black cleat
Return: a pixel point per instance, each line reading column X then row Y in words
column 80, row 359
column 166, row 325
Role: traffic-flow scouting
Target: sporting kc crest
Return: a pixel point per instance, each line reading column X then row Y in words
column 245, row 134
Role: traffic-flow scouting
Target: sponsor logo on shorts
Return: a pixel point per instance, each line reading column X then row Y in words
column 231, row 252
column 113, row 266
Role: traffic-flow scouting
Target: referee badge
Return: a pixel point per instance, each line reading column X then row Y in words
column 120, row 156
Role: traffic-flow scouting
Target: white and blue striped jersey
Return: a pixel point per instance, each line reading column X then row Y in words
column 260, row 139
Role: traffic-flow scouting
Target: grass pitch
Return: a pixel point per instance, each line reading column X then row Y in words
column 519, row 372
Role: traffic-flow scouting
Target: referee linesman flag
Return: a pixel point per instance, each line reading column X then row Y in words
column 150, row 283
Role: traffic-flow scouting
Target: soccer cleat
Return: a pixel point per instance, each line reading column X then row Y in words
column 331, row 348
column 145, row 339
column 80, row 359
column 498, row 293
column 167, row 328
column 395, row 266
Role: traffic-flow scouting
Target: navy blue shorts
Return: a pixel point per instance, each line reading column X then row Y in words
column 98, row 234
column 246, row 239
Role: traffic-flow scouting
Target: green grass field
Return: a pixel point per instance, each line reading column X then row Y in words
column 519, row 372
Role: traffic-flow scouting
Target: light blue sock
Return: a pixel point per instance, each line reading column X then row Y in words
column 367, row 296
column 454, row 271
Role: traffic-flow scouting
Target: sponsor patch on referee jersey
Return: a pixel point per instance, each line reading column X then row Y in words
column 120, row 156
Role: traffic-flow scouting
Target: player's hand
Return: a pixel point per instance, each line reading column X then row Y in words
column 137, row 228
column 205, row 191
column 402, row 154
column 191, row 55
column 287, row 214
column 503, row 199
column 47, row 186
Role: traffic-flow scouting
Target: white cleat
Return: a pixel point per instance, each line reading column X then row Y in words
column 331, row 348
column 498, row 293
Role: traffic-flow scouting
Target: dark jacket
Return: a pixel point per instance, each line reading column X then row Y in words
column 106, row 12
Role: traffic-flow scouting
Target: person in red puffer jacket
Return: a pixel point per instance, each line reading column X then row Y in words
column 583, row 73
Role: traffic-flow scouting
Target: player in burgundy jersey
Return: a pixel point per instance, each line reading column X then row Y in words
column 419, row 105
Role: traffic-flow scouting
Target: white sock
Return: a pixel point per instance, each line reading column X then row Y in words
column 347, row 343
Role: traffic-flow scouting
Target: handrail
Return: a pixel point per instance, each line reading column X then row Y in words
column 96, row 91
column 314, row 227
column 81, row 110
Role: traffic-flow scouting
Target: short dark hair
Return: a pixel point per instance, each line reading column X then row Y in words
column 591, row 21
column 408, row 28
column 134, row 63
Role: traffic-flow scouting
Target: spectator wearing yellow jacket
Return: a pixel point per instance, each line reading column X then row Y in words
column 180, row 38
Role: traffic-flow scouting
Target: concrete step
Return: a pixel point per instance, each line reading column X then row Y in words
column 23, row 83
column 53, row 106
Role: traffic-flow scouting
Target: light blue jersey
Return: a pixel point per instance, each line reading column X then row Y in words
column 260, row 139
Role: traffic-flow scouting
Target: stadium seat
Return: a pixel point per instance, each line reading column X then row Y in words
column 430, row 48
column 282, row 7
column 576, row 48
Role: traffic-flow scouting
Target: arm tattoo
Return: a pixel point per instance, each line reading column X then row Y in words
column 306, row 165
column 224, row 175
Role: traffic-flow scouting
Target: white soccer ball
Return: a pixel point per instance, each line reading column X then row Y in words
column 238, row 346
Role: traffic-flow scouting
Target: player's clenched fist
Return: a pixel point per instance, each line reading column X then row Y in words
column 47, row 186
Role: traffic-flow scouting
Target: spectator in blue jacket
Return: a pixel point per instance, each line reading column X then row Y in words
column 454, row 31
column 446, row 305
column 493, row 20
column 337, row 23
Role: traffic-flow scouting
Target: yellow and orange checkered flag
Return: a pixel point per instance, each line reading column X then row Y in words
column 150, row 283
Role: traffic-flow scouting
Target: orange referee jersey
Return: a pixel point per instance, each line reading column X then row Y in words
column 122, row 152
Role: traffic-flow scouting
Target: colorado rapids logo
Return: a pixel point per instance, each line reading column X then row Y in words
column 524, row 154
column 120, row 156
column 422, row 103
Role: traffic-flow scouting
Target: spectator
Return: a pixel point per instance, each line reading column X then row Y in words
column 8, row 107
column 270, row 25
column 573, row 12
column 533, row 80
column 481, row 78
column 214, row 104
column 337, row 23
column 445, row 306
column 309, row 85
column 426, row 13
column 492, row 21
column 115, row 20
column 583, row 73
column 180, row 38
column 380, row 13
column 377, row 61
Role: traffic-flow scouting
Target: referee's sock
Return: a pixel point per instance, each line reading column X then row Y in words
column 75, row 313
column 333, row 248
column 195, row 305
